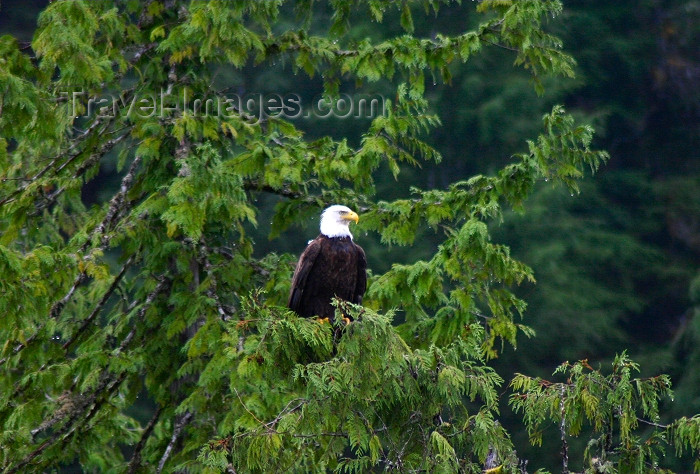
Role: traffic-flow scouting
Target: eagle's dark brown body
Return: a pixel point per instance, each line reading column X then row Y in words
column 329, row 267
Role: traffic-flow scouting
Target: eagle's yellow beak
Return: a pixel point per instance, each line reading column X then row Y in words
column 352, row 216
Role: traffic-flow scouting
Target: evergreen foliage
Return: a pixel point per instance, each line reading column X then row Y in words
column 157, row 292
column 613, row 405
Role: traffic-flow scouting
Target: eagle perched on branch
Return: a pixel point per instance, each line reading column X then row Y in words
column 332, row 265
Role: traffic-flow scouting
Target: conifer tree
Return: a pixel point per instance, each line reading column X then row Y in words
column 157, row 292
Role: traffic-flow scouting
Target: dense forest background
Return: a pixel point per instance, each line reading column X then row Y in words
column 617, row 266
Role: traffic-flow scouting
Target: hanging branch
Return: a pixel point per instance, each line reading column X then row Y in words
column 117, row 206
column 84, row 166
column 100, row 305
column 12, row 196
column 74, row 406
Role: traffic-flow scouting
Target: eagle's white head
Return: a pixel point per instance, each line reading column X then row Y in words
column 335, row 221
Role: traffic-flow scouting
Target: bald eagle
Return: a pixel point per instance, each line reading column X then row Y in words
column 332, row 265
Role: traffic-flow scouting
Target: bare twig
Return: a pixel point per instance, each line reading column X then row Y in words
column 246, row 408
column 651, row 423
column 180, row 422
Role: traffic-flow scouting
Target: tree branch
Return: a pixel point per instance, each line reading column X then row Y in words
column 562, row 430
column 205, row 251
column 74, row 407
column 44, row 170
column 100, row 305
column 284, row 192
column 90, row 161
column 160, row 287
column 180, row 422
column 135, row 462
column 117, row 206
column 651, row 423
column 76, row 142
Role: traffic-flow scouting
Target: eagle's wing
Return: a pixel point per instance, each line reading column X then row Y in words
column 361, row 285
column 301, row 273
